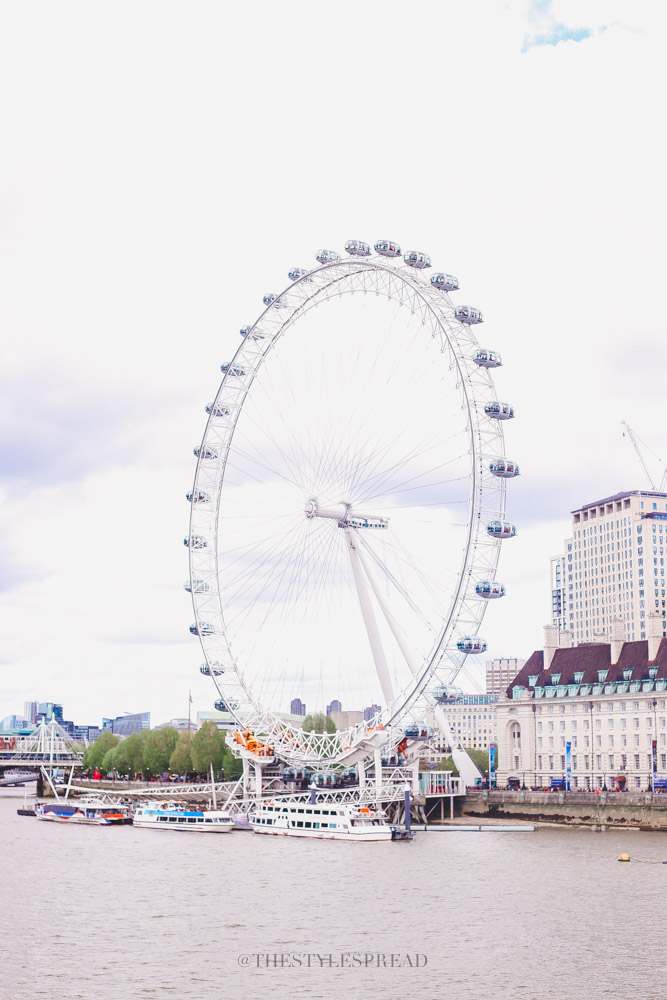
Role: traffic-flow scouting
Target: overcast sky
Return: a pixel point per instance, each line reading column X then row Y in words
column 163, row 166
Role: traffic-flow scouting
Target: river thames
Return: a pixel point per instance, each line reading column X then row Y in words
column 93, row 912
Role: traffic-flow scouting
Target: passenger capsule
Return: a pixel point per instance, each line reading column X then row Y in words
column 198, row 496
column 446, row 693
column 222, row 706
column 415, row 258
column 499, row 411
column 357, row 248
column 202, row 628
column 471, row 644
column 205, row 453
column 387, row 248
column 468, row 315
column 232, row 370
column 298, row 272
column 417, row 731
column 274, row 300
column 490, row 589
column 487, row 359
column 217, row 410
column 504, row 468
column 327, row 257
column 252, row 333
column 215, row 669
column 196, row 586
column 501, row 529
column 195, row 542
column 445, row 282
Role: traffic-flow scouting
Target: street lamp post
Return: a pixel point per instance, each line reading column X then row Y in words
column 654, row 746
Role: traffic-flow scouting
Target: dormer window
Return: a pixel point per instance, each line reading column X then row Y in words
column 627, row 674
column 653, row 672
column 578, row 677
column 532, row 680
column 602, row 676
column 555, row 678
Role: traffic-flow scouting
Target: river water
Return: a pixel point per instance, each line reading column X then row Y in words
column 91, row 912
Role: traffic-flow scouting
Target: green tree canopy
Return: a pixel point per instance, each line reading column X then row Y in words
column 133, row 751
column 318, row 723
column 208, row 747
column 181, row 759
column 109, row 761
column 94, row 754
column 159, row 746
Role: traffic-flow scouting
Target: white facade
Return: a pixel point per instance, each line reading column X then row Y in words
column 558, row 592
column 614, row 565
column 473, row 719
column 500, row 673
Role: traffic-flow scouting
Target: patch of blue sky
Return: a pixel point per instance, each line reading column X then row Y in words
column 558, row 33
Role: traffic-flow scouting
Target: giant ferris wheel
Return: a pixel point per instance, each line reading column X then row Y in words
column 348, row 505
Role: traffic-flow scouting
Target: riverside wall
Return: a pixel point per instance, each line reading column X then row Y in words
column 625, row 809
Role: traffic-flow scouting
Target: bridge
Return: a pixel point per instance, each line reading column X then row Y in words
column 46, row 750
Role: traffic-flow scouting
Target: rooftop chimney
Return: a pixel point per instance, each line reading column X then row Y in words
column 601, row 638
column 550, row 644
column 565, row 640
column 617, row 638
column 653, row 634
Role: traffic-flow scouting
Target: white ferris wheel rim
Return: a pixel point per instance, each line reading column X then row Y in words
column 396, row 281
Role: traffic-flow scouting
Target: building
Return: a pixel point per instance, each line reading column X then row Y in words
column 47, row 710
column 614, row 565
column 472, row 718
column 558, row 592
column 343, row 720
column 371, row 712
column 13, row 722
column 297, row 707
column 181, row 724
column 30, row 712
column 334, row 706
column 124, row 725
column 607, row 700
column 501, row 672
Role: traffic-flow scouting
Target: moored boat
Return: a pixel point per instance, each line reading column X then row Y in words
column 90, row 812
column 321, row 821
column 174, row 816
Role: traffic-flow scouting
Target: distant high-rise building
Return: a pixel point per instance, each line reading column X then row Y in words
column 371, row 711
column 334, row 706
column 297, row 707
column 47, row 710
column 124, row 725
column 614, row 566
column 557, row 568
column 501, row 672
column 30, row 711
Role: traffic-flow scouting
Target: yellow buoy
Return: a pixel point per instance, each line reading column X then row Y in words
column 624, row 857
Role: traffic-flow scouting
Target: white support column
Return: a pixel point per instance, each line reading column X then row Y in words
column 258, row 781
column 377, row 756
column 369, row 619
column 468, row 771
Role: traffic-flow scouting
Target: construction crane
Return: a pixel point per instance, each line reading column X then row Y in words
column 635, row 444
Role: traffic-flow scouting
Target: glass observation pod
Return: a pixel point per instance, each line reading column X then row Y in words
column 445, row 282
column 358, row 248
column 249, row 331
column 415, row 258
column 387, row 248
column 469, row 315
column 273, row 300
column 196, row 586
column 471, row 644
column 505, row 468
column 365, row 522
column 501, row 529
column 202, row 628
column 206, row 454
column 213, row 671
column 417, row 731
column 217, row 410
column 350, row 774
column 327, row 257
column 222, row 706
column 298, row 272
column 447, row 692
column 487, row 359
column 232, row 370
column 490, row 589
column 499, row 411
column 198, row 497
column 195, row 542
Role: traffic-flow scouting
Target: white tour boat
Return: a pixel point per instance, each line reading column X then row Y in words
column 323, row 821
column 174, row 816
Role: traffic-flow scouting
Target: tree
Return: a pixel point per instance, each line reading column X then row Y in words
column 180, row 761
column 318, row 723
column 208, row 747
column 160, row 745
column 121, row 764
column 478, row 757
column 94, row 754
column 133, row 751
column 232, row 766
column 109, row 761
